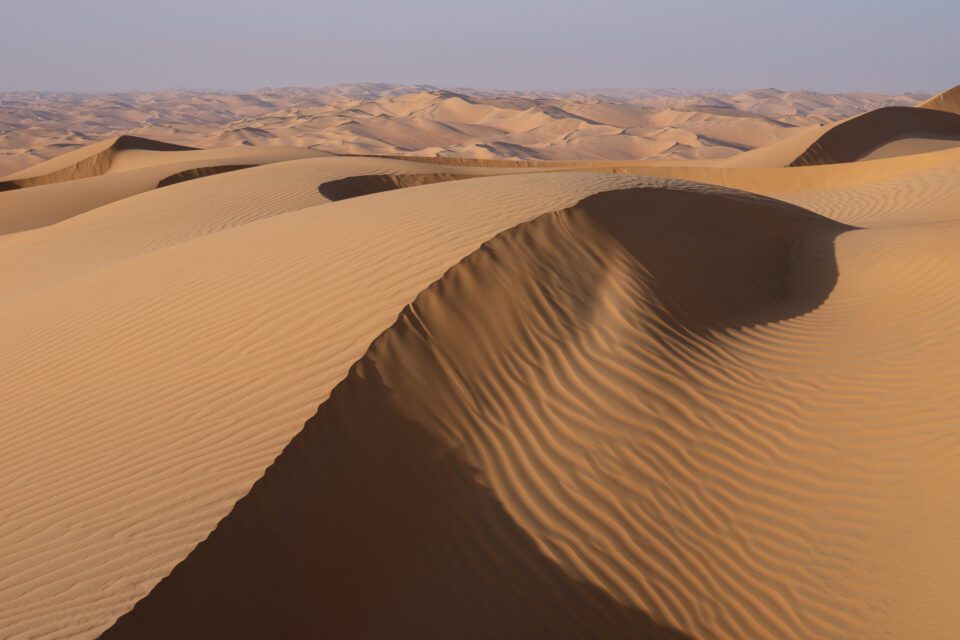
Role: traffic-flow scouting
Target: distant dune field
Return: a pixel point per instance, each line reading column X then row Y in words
column 386, row 119
column 385, row 362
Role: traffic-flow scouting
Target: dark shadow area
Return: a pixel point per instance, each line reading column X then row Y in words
column 9, row 185
column 851, row 140
column 356, row 186
column 368, row 526
column 201, row 172
column 719, row 259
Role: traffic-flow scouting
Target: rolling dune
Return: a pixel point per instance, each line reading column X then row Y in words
column 47, row 204
column 94, row 160
column 273, row 392
column 857, row 137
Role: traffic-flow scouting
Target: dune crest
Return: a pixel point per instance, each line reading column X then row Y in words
column 854, row 139
column 94, row 160
column 949, row 100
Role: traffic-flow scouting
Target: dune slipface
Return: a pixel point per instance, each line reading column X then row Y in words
column 268, row 392
column 949, row 100
column 863, row 136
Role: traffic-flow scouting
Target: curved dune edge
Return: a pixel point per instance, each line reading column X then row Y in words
column 47, row 204
column 853, row 139
column 200, row 172
column 451, row 485
column 159, row 219
column 90, row 161
column 949, row 100
column 364, row 185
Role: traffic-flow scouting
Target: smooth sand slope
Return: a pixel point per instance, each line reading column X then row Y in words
column 378, row 398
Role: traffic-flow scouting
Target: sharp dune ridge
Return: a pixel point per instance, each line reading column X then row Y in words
column 949, row 100
column 267, row 391
column 84, row 163
column 861, row 135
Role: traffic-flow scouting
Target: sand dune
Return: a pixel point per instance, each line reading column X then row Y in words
column 859, row 137
column 446, row 397
column 426, row 121
column 47, row 203
column 949, row 100
column 95, row 160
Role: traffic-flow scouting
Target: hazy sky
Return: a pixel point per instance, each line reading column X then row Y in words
column 837, row 45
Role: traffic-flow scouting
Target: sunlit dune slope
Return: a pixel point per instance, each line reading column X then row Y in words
column 94, row 160
column 949, row 100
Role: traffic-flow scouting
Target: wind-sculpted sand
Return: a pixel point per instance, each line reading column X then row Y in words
column 270, row 392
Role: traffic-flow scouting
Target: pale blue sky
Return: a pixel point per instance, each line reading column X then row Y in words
column 838, row 45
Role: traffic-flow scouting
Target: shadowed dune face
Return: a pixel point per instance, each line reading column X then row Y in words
column 393, row 514
column 949, row 100
column 127, row 142
column 779, row 265
column 355, row 186
column 856, row 138
column 96, row 164
column 200, row 172
column 364, row 543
